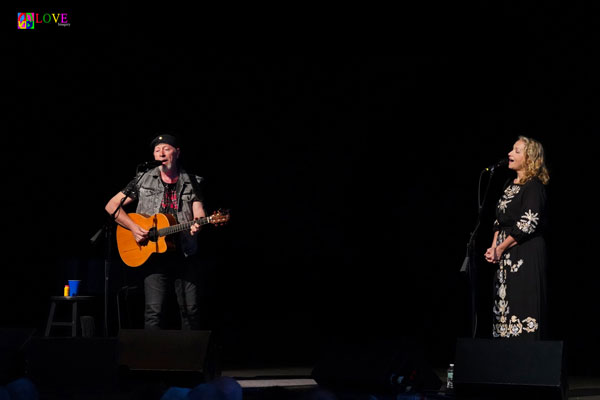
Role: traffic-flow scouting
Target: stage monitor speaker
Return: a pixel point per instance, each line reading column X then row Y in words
column 167, row 350
column 376, row 367
column 510, row 368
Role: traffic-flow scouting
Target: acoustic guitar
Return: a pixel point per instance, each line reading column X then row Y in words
column 159, row 226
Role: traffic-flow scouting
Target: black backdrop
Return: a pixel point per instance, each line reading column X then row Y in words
column 349, row 156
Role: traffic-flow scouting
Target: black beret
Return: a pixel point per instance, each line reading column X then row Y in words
column 165, row 138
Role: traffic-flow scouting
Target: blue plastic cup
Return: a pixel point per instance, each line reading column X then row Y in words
column 73, row 287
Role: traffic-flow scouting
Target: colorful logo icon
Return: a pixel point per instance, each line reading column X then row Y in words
column 25, row 20
column 29, row 20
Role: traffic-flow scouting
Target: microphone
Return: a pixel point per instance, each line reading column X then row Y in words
column 501, row 163
column 151, row 164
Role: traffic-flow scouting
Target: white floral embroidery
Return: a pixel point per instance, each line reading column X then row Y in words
column 505, row 326
column 515, row 327
column 501, row 330
column 501, row 308
column 501, row 238
column 515, row 268
column 509, row 193
column 512, row 190
column 531, row 325
column 528, row 222
column 507, row 263
column 502, row 295
column 502, row 204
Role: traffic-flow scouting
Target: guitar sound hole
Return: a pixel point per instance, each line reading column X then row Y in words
column 153, row 235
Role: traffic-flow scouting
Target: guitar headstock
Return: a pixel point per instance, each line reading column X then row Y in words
column 220, row 217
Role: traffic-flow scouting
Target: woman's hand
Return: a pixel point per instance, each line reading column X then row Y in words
column 492, row 255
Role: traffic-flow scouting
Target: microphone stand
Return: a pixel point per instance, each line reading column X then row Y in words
column 107, row 230
column 469, row 265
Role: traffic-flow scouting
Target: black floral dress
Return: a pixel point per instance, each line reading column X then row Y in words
column 520, row 281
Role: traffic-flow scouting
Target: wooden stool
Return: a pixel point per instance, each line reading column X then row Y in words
column 74, row 300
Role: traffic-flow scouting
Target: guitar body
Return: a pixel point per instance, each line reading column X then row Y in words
column 134, row 254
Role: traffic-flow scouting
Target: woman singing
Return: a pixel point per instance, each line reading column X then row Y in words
column 519, row 248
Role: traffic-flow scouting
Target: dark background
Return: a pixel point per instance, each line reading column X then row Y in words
column 348, row 149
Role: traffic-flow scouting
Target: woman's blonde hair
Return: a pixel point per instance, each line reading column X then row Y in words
column 535, row 166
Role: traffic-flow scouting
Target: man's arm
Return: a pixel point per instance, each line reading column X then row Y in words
column 198, row 210
column 140, row 234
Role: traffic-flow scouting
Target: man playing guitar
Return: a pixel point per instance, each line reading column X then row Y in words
column 167, row 189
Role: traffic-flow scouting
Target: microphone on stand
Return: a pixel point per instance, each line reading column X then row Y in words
column 501, row 163
column 150, row 164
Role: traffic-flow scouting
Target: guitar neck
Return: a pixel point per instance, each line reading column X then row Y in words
column 183, row 226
